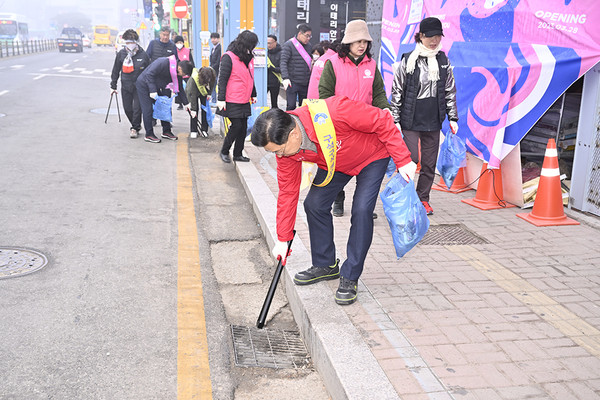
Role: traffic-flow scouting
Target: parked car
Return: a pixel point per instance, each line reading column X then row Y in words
column 87, row 42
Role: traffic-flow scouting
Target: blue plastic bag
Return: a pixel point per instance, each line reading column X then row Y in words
column 256, row 111
column 405, row 214
column 391, row 168
column 209, row 114
column 162, row 108
column 452, row 157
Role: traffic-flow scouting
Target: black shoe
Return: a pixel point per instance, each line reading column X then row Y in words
column 338, row 208
column 317, row 274
column 374, row 215
column 346, row 293
column 151, row 138
column 225, row 158
column 241, row 158
column 168, row 135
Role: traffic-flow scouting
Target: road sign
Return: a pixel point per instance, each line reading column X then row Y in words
column 180, row 9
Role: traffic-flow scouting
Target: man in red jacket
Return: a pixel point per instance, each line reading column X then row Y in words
column 365, row 138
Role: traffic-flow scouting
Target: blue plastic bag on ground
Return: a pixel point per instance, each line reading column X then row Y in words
column 209, row 114
column 256, row 111
column 162, row 108
column 452, row 157
column 405, row 214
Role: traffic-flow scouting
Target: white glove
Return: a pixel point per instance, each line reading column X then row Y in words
column 399, row 127
column 187, row 107
column 193, row 114
column 113, row 91
column 253, row 100
column 173, row 94
column 454, row 127
column 154, row 95
column 208, row 98
column 280, row 250
column 221, row 105
column 286, row 83
column 408, row 171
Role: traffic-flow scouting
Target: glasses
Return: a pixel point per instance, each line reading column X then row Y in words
column 308, row 35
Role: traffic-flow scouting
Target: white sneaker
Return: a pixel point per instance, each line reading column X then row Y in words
column 193, row 135
column 133, row 133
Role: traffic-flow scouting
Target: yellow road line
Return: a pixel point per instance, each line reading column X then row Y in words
column 569, row 323
column 193, row 370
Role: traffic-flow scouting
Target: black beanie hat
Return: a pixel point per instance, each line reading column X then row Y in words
column 431, row 26
column 178, row 39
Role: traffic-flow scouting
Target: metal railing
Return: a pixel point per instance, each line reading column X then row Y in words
column 13, row 48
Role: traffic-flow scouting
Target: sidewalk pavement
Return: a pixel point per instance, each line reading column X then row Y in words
column 491, row 308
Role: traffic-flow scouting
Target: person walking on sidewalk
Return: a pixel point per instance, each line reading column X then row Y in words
column 183, row 53
column 161, row 78
column 161, row 47
column 353, row 73
column 130, row 61
column 236, row 92
column 295, row 66
column 365, row 137
column 423, row 93
column 198, row 91
column 215, row 58
column 273, row 62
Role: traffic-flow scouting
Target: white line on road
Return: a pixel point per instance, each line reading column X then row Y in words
column 17, row 66
column 38, row 76
column 3, row 92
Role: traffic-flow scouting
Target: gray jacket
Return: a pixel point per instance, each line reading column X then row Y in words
column 406, row 90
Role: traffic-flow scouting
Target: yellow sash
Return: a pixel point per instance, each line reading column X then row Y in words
column 321, row 120
column 278, row 75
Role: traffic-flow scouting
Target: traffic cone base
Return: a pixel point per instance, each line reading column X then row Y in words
column 489, row 190
column 458, row 186
column 548, row 205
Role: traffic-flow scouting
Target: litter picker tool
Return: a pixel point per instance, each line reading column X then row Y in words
column 109, row 104
column 260, row 323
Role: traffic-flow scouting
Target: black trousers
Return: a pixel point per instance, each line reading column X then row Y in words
column 293, row 92
column 202, row 114
column 131, row 106
column 430, row 143
column 237, row 134
column 274, row 92
column 147, row 104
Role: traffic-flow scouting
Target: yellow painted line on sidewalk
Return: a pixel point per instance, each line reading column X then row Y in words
column 193, row 370
column 569, row 323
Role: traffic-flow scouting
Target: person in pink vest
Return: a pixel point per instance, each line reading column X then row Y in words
column 317, row 71
column 236, row 92
column 183, row 53
column 353, row 73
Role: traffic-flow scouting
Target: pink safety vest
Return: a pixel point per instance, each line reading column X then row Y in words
column 315, row 75
column 241, row 81
column 183, row 54
column 354, row 81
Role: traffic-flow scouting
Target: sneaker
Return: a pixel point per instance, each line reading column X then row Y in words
column 317, row 274
column 152, row 138
column 346, row 293
column 168, row 135
column 193, row 135
column 133, row 133
column 427, row 208
column 338, row 208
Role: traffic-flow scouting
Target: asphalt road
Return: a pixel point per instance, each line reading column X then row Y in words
column 100, row 320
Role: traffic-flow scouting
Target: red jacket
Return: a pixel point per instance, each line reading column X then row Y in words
column 364, row 134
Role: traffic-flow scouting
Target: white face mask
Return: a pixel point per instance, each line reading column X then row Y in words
column 179, row 46
column 315, row 57
column 131, row 46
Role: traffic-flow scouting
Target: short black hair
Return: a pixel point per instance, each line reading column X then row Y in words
column 186, row 67
column 165, row 29
column 215, row 35
column 303, row 28
column 273, row 126
column 130, row 34
column 273, row 37
column 178, row 39
column 344, row 49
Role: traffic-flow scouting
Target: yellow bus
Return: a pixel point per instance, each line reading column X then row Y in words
column 105, row 35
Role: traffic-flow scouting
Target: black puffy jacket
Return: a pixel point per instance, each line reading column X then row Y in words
column 293, row 66
column 140, row 62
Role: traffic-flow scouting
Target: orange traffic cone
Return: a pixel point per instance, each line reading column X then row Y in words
column 489, row 195
column 548, row 205
column 458, row 186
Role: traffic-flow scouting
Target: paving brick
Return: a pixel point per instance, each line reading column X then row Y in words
column 514, row 352
column 558, row 390
column 514, row 373
column 485, row 394
column 522, row 392
column 583, row 367
column 404, row 382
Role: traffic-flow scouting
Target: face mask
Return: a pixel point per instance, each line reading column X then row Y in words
column 179, row 46
column 131, row 46
column 315, row 57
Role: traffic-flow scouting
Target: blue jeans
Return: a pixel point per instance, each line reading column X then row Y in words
column 317, row 206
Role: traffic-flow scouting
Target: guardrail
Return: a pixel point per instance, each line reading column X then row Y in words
column 13, row 48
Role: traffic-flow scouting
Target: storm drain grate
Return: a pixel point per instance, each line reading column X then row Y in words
column 449, row 235
column 18, row 262
column 269, row 348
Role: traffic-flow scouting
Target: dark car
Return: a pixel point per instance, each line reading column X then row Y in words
column 70, row 39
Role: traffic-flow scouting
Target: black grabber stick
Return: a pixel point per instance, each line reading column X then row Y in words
column 265, row 308
column 118, row 111
column 108, row 110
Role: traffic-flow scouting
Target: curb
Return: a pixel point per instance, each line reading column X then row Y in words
column 346, row 364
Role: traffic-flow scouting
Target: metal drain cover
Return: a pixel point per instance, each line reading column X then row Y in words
column 269, row 348
column 18, row 262
column 450, row 234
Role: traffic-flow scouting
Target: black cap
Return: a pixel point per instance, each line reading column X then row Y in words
column 178, row 39
column 431, row 26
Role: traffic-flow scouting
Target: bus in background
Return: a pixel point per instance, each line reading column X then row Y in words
column 105, row 35
column 13, row 27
